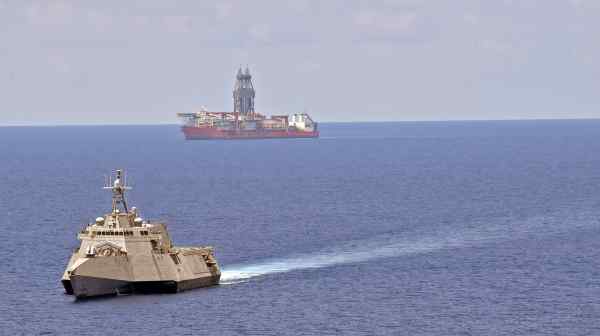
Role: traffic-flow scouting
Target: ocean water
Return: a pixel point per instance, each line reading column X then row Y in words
column 433, row 228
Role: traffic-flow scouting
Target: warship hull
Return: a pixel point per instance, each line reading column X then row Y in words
column 86, row 287
column 187, row 268
column 208, row 133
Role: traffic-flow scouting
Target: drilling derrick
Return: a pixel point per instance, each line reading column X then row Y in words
column 243, row 94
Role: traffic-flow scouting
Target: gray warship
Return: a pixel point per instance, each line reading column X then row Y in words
column 121, row 253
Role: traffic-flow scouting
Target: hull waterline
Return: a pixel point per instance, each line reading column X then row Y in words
column 208, row 133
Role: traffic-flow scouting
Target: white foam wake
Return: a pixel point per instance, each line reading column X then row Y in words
column 354, row 252
column 396, row 245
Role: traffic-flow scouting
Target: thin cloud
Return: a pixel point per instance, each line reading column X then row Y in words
column 374, row 22
column 465, row 53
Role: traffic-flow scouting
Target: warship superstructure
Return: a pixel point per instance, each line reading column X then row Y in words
column 244, row 122
column 122, row 253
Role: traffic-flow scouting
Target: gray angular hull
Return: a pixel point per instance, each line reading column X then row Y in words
column 86, row 287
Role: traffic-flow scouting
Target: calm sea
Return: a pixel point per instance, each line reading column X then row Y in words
column 433, row 228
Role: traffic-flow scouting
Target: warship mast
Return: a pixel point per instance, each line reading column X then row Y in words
column 118, row 192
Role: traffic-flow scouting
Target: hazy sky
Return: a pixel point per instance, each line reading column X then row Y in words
column 143, row 61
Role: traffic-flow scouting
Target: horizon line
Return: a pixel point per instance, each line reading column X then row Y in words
column 69, row 124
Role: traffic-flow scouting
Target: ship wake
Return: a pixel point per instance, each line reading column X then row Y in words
column 348, row 253
column 398, row 244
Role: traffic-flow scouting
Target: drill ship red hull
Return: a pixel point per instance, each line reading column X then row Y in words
column 208, row 133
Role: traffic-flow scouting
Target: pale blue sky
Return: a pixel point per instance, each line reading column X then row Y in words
column 143, row 61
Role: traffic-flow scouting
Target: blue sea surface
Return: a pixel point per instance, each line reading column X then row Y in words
column 413, row 228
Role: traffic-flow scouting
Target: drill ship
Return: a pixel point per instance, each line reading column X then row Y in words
column 122, row 253
column 244, row 122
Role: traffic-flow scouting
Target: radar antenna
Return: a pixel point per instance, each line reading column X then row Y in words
column 118, row 187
